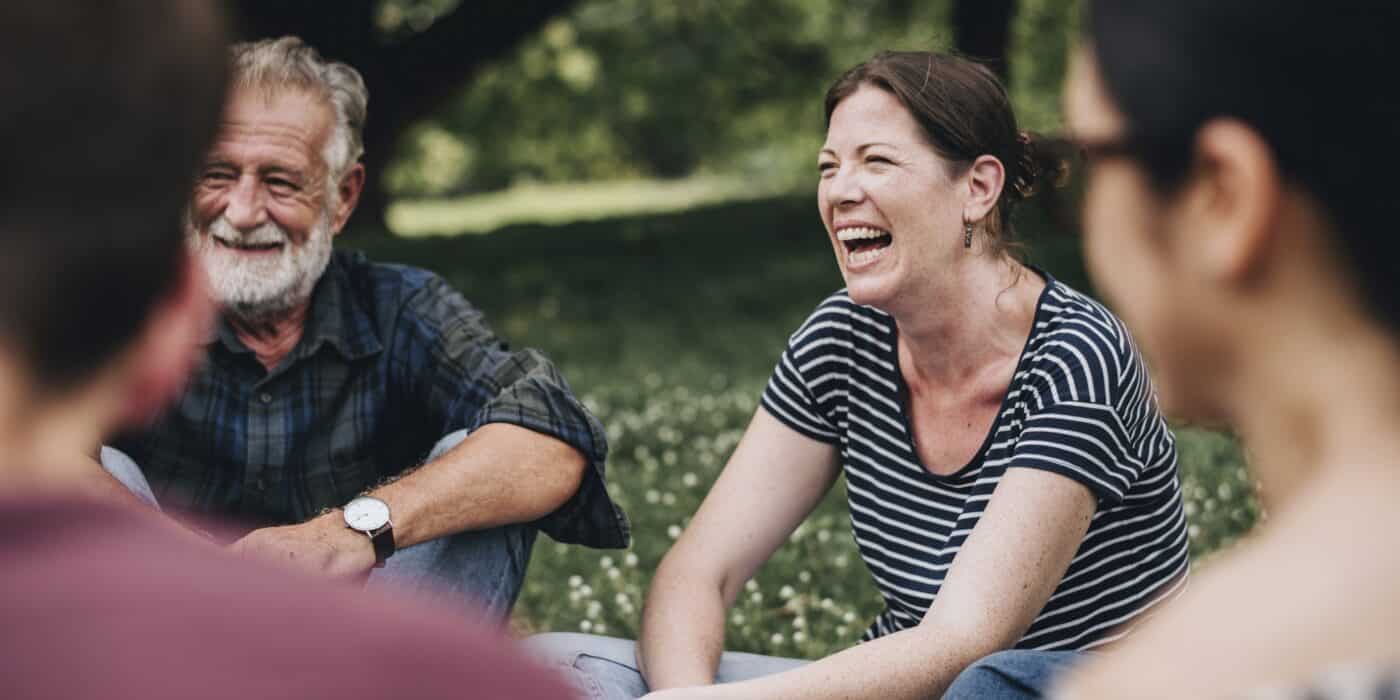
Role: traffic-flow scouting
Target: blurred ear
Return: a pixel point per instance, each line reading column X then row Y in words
column 348, row 189
column 1231, row 209
column 985, row 179
column 170, row 345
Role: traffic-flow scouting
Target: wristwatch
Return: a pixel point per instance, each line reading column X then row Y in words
column 370, row 515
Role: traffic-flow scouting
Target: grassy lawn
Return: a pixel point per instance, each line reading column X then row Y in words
column 668, row 325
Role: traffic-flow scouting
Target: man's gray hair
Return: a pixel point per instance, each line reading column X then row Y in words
column 289, row 62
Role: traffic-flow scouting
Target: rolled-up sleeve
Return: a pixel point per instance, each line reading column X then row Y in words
column 467, row 377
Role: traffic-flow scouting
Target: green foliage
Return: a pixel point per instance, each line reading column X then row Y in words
column 668, row 327
column 665, row 88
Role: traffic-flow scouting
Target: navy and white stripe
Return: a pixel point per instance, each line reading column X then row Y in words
column 1080, row 404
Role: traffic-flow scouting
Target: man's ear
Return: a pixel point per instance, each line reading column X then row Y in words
column 348, row 189
column 170, row 345
column 985, row 179
column 1231, row 209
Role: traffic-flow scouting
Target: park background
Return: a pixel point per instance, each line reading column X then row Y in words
column 629, row 186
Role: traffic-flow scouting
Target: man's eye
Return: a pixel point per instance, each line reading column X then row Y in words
column 217, row 176
column 281, row 184
column 826, row 167
column 879, row 159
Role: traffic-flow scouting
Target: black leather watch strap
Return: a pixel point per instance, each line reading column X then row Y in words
column 383, row 540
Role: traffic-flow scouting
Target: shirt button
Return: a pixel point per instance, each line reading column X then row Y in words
column 262, row 484
column 265, row 398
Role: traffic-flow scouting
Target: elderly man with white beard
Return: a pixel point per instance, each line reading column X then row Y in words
column 330, row 379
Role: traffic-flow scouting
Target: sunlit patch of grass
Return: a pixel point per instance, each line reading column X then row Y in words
column 540, row 203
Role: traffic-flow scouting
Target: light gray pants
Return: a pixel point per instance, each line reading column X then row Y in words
column 482, row 569
column 605, row 668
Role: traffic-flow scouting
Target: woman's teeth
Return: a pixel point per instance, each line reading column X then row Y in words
column 864, row 244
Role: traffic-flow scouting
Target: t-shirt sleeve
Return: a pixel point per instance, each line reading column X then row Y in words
column 1075, row 425
column 810, row 351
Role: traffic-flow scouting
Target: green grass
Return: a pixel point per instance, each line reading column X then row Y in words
column 668, row 326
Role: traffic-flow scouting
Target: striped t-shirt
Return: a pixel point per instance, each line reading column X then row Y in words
column 1080, row 404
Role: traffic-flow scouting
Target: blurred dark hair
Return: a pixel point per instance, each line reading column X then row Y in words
column 965, row 113
column 1315, row 80
column 105, row 111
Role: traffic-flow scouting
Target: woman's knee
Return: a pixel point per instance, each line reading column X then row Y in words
column 1015, row 673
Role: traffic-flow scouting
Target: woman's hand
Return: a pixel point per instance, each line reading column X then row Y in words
column 774, row 479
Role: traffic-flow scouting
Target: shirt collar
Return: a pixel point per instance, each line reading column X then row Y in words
column 337, row 318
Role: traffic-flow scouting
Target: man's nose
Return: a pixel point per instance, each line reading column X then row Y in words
column 246, row 208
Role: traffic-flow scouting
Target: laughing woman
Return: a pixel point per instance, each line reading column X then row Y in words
column 1011, row 483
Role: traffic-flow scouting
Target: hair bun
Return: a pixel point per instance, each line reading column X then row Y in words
column 1041, row 163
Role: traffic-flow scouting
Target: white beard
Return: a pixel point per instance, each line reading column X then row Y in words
column 264, row 285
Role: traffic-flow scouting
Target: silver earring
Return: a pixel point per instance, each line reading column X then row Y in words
column 967, row 234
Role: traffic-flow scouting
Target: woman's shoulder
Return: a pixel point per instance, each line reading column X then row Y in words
column 838, row 317
column 1078, row 341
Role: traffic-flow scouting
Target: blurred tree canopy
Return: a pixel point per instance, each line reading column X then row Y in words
column 666, row 88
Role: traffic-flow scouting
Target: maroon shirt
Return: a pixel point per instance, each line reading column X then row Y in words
column 100, row 602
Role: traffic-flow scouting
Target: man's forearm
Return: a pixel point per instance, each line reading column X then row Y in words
column 500, row 474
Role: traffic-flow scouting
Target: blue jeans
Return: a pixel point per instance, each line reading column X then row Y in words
column 1013, row 675
column 482, row 569
column 605, row 668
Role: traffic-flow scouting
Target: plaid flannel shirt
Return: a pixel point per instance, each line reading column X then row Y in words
column 392, row 359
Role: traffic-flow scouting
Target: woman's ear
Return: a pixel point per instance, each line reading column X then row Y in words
column 1230, row 212
column 985, row 179
column 170, row 345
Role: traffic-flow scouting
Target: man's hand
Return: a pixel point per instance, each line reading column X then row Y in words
column 322, row 545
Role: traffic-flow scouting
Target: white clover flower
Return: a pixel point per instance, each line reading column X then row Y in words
column 839, row 561
column 630, row 559
column 756, row 597
column 799, row 622
column 824, row 536
column 777, row 639
column 614, row 573
column 594, row 610
column 653, row 496
column 575, row 581
column 668, row 499
column 574, row 597
column 690, row 480
column 600, row 628
column 751, row 585
column 804, row 576
column 585, row 590
column 737, row 618
column 585, row 626
column 841, row 630
column 786, row 592
column 849, row 617
column 799, row 637
column 827, row 604
column 605, row 562
column 673, row 531
column 622, row 599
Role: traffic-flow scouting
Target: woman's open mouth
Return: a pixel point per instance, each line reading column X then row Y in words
column 864, row 244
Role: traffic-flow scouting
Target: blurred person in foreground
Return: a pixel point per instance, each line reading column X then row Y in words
column 101, row 313
column 1241, row 213
column 331, row 378
column 1011, row 483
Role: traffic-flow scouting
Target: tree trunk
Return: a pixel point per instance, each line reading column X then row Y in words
column 982, row 30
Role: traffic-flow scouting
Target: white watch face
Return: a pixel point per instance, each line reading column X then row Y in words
column 366, row 514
